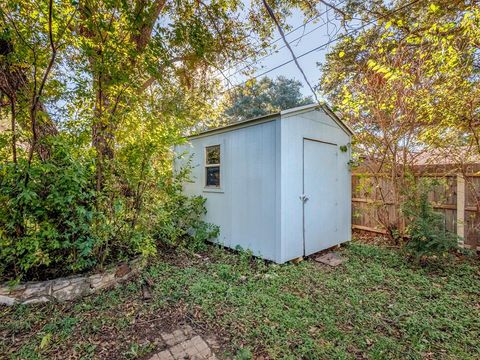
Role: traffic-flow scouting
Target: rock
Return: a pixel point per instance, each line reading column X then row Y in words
column 68, row 288
column 4, row 291
column 6, row 300
column 147, row 295
column 95, row 280
column 331, row 259
column 60, row 284
column 104, row 281
column 36, row 300
column 75, row 289
column 36, row 289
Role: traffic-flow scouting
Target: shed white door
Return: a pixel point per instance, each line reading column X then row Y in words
column 320, row 209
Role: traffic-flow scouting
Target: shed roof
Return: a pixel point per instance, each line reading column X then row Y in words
column 270, row 117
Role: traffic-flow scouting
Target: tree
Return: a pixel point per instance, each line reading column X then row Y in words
column 265, row 97
column 113, row 51
column 405, row 83
column 96, row 94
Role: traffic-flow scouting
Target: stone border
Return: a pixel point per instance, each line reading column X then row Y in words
column 68, row 288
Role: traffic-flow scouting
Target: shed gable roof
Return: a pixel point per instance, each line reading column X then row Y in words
column 270, row 117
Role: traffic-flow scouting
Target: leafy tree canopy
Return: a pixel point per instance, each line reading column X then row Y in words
column 264, row 97
column 409, row 75
column 408, row 83
column 93, row 96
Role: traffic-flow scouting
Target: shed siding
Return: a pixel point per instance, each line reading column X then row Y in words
column 246, row 207
column 295, row 127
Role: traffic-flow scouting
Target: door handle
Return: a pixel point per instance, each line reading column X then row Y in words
column 303, row 198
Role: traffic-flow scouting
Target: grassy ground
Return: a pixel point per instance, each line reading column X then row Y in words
column 373, row 306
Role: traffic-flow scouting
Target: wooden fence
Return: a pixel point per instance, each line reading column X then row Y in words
column 372, row 199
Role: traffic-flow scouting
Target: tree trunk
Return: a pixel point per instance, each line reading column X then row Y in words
column 13, row 81
column 14, row 130
column 103, row 128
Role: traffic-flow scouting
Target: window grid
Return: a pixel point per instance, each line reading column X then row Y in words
column 212, row 168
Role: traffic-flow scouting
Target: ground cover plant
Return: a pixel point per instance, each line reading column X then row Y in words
column 376, row 305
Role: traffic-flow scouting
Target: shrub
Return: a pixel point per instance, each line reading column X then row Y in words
column 426, row 228
column 180, row 217
column 53, row 222
column 46, row 213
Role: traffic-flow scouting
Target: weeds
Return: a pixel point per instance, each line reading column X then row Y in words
column 376, row 305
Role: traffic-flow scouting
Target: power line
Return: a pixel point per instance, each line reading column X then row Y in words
column 323, row 45
column 280, row 48
column 280, row 30
column 280, row 38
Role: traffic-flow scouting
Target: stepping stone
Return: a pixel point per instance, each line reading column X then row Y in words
column 184, row 344
column 332, row 259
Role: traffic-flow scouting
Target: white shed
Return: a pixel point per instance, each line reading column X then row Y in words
column 278, row 185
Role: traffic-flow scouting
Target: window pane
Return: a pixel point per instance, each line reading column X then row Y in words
column 213, row 154
column 213, row 176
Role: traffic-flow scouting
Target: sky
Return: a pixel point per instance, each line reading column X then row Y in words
column 312, row 34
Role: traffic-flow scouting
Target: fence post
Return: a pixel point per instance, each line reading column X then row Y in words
column 461, row 209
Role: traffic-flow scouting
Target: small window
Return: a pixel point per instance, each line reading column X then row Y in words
column 212, row 166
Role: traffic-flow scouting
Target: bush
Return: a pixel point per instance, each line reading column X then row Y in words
column 180, row 217
column 426, row 228
column 53, row 222
column 46, row 214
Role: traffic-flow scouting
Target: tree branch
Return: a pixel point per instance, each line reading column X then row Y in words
column 37, row 94
column 145, row 31
column 151, row 80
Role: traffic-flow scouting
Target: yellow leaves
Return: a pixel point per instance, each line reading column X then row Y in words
column 250, row 83
column 388, row 25
column 389, row 74
column 371, row 63
column 413, row 39
column 434, row 8
column 341, row 54
column 45, row 341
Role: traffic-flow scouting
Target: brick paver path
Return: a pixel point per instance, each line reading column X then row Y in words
column 184, row 344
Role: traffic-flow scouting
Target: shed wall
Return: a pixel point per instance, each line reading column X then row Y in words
column 316, row 125
column 246, row 207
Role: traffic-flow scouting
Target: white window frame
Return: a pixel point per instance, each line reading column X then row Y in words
column 206, row 166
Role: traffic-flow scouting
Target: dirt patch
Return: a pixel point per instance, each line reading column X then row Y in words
column 129, row 328
column 371, row 238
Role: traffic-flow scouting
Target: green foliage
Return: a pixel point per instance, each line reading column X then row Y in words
column 265, row 97
column 94, row 97
column 376, row 306
column 45, row 222
column 180, row 218
column 53, row 222
column 426, row 228
column 243, row 354
column 409, row 86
